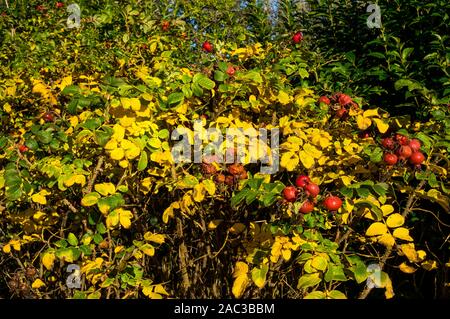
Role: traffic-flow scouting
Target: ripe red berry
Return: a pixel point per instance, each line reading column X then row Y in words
column 59, row 4
column 302, row 181
column 312, row 189
column 296, row 38
column 48, row 117
column 415, row 145
column 207, row 46
column 402, row 139
column 23, row 148
column 390, row 159
column 324, row 99
column 230, row 70
column 416, row 158
column 236, row 169
column 341, row 113
column 344, row 99
column 388, row 143
column 404, row 152
column 290, row 193
column 229, row 180
column 220, row 178
column 165, row 26
column 307, row 207
column 332, row 203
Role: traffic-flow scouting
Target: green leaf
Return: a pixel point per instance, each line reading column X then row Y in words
column 206, row 83
column 335, row 273
column 336, row 294
column 362, row 192
column 175, row 98
column 101, row 228
column 68, row 254
column 220, row 76
column 259, row 275
column 143, row 161
column 72, row 239
column 308, row 280
column 239, row 197
column 315, row 295
column 44, row 137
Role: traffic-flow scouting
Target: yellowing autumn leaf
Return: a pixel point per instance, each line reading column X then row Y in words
column 363, row 122
column 376, row 228
column 387, row 209
column 386, row 240
column 90, row 199
column 125, row 217
column 156, row 238
column 289, row 160
column 395, row 220
column 40, row 197
column 371, row 112
column 284, row 98
column 105, row 189
column 409, row 251
column 429, row 265
column 241, row 279
column 381, row 125
column 147, row 249
column 117, row 154
column 37, row 284
column 306, row 159
column 406, row 268
column 402, row 233
column 48, row 260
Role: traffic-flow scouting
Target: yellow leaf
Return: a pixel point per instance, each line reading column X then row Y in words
column 389, row 292
column 148, row 249
column 363, row 122
column 90, row 199
column 312, row 150
column 429, row 265
column 409, row 251
column 65, row 82
column 209, row 186
column 371, row 112
column 105, row 189
column 387, row 209
column 39, row 198
column 376, row 228
column 289, row 160
column 421, row 255
column 402, row 233
column 112, row 219
column 7, row 107
column 117, row 154
column 406, row 268
column 307, row 159
column 240, row 269
column 7, row 248
column 37, row 284
column 381, row 125
column 199, row 192
column 283, row 98
column 125, row 217
column 239, row 285
column 386, row 240
column 156, row 238
column 119, row 132
column 48, row 259
column 286, row 253
column 395, row 220
column 111, row 145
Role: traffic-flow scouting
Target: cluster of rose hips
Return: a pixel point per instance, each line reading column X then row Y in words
column 339, row 104
column 310, row 190
column 233, row 173
column 401, row 148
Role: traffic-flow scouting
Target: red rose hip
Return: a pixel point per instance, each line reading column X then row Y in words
column 290, row 193
column 296, row 38
column 390, row 159
column 302, row 181
column 417, row 158
column 307, row 207
column 207, row 46
column 312, row 189
column 332, row 203
column 415, row 145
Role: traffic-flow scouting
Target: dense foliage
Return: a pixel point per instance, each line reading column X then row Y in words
column 87, row 175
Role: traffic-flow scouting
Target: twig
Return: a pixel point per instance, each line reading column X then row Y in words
column 69, row 204
column 91, row 182
column 182, row 251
